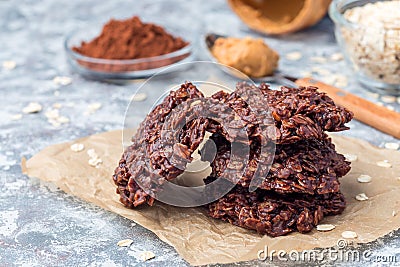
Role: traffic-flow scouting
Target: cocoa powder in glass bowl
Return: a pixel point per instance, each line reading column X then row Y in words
column 125, row 49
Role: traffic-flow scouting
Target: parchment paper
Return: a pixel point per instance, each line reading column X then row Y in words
column 203, row 240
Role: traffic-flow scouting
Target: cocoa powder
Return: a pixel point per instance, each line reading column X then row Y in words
column 130, row 39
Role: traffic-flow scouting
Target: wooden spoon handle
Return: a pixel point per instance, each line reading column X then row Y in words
column 379, row 117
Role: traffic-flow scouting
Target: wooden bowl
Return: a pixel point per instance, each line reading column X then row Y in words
column 279, row 16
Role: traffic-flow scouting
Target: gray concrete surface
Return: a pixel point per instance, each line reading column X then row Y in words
column 42, row 226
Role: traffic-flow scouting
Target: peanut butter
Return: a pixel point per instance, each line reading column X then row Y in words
column 251, row 56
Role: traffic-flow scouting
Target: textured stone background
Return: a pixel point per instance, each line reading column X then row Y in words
column 40, row 225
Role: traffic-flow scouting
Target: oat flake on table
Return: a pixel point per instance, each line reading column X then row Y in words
column 125, row 243
column 16, row 117
column 139, row 97
column 146, row 255
column 364, row 178
column 336, row 56
column 9, row 64
column 388, row 99
column 325, row 227
column 57, row 105
column 294, row 56
column 320, row 60
column 94, row 159
column 384, row 164
column 373, row 95
column 77, row 147
column 62, row 80
column 93, row 107
column 321, row 71
column 362, row 197
column 32, row 107
column 392, row 146
column 349, row 234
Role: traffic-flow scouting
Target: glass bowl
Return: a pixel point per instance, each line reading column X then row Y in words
column 116, row 70
column 373, row 51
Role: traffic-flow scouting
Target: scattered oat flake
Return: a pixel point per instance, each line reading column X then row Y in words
column 294, row 56
column 62, row 119
column 146, row 255
column 9, row 64
column 321, row 71
column 363, row 178
column 349, row 234
column 306, row 74
column 33, row 107
column 384, row 164
column 337, row 57
column 16, row 117
column 95, row 162
column 388, row 99
column 392, row 146
column 350, row 157
column 139, row 97
column 77, row 147
column 52, row 114
column 54, row 123
column 93, row 107
column 94, row 159
column 92, row 153
column 373, row 95
column 362, row 197
column 57, row 105
column 125, row 243
column 62, row 80
column 320, row 60
column 54, row 118
column 340, row 80
column 394, row 213
column 325, row 227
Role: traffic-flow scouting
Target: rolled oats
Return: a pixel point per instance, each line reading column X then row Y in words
column 146, row 255
column 363, row 178
column 125, row 243
column 392, row 146
column 384, row 164
column 320, row 60
column 336, row 57
column 16, row 117
column 9, row 64
column 139, row 97
column 294, row 56
column 325, row 227
column 388, row 99
column 362, row 197
column 33, row 107
column 77, row 147
column 62, row 80
column 349, row 234
column 374, row 46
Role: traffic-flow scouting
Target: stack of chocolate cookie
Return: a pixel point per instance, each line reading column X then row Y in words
column 299, row 189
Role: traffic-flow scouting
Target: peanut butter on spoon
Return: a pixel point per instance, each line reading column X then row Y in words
column 251, row 56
